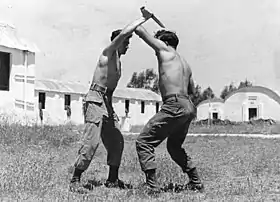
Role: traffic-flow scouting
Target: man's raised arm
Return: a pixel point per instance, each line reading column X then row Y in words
column 126, row 32
column 191, row 86
column 154, row 43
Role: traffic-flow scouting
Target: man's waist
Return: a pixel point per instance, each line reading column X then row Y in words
column 175, row 95
column 103, row 89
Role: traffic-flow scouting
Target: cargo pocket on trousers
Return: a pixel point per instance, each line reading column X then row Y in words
column 94, row 107
column 94, row 112
column 172, row 109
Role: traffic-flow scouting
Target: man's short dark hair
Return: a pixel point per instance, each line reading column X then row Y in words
column 168, row 37
column 115, row 34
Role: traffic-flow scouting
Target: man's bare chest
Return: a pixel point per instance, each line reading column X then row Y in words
column 114, row 67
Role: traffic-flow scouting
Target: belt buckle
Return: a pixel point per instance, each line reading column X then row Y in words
column 98, row 86
column 93, row 87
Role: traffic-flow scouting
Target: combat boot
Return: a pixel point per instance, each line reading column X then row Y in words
column 151, row 181
column 113, row 180
column 195, row 183
column 75, row 183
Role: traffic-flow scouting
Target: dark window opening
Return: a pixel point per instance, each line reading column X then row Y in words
column 67, row 101
column 253, row 113
column 126, row 107
column 142, row 107
column 42, row 100
column 4, row 71
column 157, row 107
column 215, row 115
column 67, row 105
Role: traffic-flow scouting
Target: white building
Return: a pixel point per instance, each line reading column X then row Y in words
column 212, row 108
column 55, row 96
column 255, row 102
column 17, row 73
column 247, row 103
column 140, row 104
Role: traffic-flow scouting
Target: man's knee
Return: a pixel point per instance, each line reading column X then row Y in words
column 139, row 142
column 117, row 143
column 115, row 154
column 114, row 146
column 120, row 146
column 173, row 146
column 85, row 155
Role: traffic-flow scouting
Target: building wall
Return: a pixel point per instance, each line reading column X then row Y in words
column 21, row 92
column 205, row 109
column 237, row 106
column 135, row 117
column 55, row 113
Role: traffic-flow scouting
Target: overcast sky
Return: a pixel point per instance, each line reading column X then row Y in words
column 222, row 40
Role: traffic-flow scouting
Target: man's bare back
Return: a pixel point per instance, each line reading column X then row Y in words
column 174, row 73
column 175, row 76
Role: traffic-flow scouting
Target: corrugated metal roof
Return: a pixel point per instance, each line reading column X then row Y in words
column 60, row 86
column 211, row 101
column 257, row 89
column 51, row 85
column 9, row 38
column 137, row 93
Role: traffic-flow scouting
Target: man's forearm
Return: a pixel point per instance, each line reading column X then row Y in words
column 129, row 29
column 125, row 33
column 141, row 31
column 154, row 43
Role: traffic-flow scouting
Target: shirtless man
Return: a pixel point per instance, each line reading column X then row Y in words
column 101, row 121
column 177, row 112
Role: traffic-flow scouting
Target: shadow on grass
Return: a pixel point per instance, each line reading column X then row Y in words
column 173, row 187
column 91, row 184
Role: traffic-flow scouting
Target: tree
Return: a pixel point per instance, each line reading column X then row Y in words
column 224, row 92
column 208, row 94
column 231, row 88
column 133, row 81
column 245, row 83
column 147, row 79
column 197, row 96
column 155, row 87
column 227, row 90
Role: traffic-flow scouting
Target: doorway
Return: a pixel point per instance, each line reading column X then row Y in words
column 253, row 113
column 4, row 71
column 215, row 115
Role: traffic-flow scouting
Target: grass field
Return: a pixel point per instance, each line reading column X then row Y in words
column 238, row 128
column 36, row 165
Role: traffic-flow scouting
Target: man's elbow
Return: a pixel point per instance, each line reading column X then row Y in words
column 124, row 33
column 191, row 91
column 137, row 33
column 140, row 34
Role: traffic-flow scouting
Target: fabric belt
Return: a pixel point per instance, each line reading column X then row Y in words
column 99, row 88
column 175, row 95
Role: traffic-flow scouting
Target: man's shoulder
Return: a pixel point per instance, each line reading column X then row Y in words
column 103, row 59
column 168, row 54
